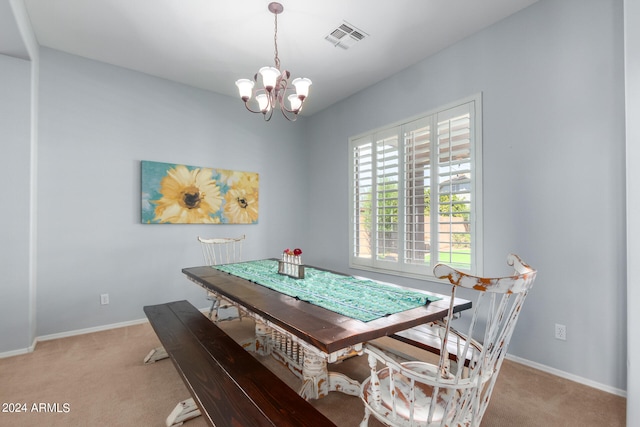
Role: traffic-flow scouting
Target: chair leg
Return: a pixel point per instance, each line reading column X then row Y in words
column 235, row 313
column 365, row 420
column 214, row 305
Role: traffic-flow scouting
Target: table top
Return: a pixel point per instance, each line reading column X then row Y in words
column 322, row 328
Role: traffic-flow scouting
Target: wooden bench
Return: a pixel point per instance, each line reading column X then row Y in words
column 427, row 337
column 229, row 386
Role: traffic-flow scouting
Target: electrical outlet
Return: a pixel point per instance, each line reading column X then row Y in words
column 104, row 299
column 561, row 332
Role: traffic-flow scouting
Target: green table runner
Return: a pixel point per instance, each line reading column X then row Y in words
column 357, row 298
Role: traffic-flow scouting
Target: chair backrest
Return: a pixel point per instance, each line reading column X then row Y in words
column 494, row 316
column 456, row 394
column 221, row 250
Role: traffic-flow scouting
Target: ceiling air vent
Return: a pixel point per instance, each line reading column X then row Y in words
column 345, row 36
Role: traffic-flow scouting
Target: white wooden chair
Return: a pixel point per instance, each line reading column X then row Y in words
column 418, row 393
column 215, row 251
column 222, row 250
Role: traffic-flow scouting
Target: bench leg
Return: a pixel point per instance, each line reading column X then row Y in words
column 155, row 354
column 183, row 411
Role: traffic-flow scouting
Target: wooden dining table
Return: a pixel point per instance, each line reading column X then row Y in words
column 306, row 337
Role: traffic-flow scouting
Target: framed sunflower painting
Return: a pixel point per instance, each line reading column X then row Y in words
column 181, row 194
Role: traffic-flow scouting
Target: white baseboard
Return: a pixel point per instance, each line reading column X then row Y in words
column 32, row 347
column 19, row 351
column 91, row 330
column 49, row 337
column 568, row 376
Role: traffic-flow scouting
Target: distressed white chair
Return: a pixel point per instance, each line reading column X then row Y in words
column 418, row 393
column 215, row 251
column 222, row 250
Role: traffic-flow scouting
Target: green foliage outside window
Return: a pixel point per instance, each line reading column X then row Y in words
column 388, row 209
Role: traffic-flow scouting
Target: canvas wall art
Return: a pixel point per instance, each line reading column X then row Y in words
column 181, row 194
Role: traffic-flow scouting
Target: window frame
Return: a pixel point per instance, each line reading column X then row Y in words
column 399, row 267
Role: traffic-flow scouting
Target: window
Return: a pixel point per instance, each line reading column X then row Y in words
column 415, row 193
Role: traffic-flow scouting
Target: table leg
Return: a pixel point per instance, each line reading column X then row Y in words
column 315, row 377
column 308, row 365
column 344, row 384
column 317, row 381
column 263, row 336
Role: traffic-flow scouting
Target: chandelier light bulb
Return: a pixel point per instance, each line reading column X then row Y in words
column 269, row 77
column 302, row 87
column 295, row 102
column 263, row 103
column 245, row 87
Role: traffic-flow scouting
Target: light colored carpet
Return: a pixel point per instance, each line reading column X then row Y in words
column 99, row 379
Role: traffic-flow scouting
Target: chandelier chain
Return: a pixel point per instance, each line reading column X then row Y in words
column 275, row 41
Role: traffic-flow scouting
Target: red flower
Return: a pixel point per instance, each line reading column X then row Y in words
column 297, row 251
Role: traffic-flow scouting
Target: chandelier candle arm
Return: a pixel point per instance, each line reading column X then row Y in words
column 275, row 84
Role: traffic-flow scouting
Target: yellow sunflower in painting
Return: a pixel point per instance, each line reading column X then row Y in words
column 241, row 201
column 230, row 177
column 188, row 196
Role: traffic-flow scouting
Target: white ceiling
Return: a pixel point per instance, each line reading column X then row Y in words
column 210, row 43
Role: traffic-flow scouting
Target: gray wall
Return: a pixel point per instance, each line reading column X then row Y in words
column 96, row 123
column 553, row 119
column 552, row 84
column 15, row 140
column 632, row 92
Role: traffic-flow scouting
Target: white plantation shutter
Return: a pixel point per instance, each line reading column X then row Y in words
column 417, row 161
column 386, row 192
column 454, row 187
column 414, row 199
column 361, row 203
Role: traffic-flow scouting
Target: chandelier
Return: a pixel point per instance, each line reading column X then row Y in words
column 275, row 85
